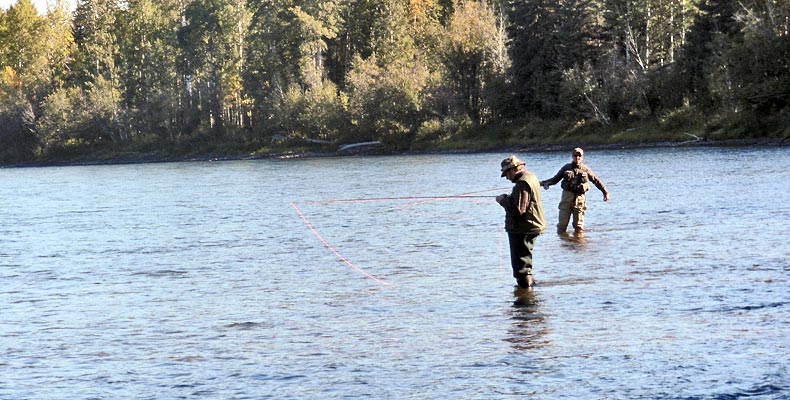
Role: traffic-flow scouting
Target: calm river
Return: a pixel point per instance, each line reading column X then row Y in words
column 202, row 280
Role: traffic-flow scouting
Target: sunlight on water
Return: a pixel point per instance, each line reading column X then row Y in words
column 201, row 280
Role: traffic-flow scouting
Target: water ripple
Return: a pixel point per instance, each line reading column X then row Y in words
column 197, row 280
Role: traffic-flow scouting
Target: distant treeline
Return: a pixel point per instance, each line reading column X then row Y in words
column 180, row 74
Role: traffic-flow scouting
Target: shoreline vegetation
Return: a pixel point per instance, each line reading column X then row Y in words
column 504, row 141
column 170, row 80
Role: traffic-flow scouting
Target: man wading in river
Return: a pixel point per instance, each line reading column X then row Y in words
column 524, row 218
column 576, row 178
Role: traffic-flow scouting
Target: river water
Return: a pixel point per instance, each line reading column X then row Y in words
column 250, row 280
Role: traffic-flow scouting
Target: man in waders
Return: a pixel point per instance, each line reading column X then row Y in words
column 576, row 178
column 524, row 218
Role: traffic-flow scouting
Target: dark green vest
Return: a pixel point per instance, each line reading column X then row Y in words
column 533, row 222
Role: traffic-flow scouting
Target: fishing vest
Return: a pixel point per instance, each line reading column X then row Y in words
column 576, row 180
column 534, row 220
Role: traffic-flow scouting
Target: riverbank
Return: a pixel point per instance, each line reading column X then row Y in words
column 153, row 157
column 689, row 128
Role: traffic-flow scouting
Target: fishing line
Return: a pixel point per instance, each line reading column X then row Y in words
column 372, row 199
column 419, row 199
column 469, row 195
column 332, row 249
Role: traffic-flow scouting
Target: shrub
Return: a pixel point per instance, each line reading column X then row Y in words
column 318, row 113
column 385, row 102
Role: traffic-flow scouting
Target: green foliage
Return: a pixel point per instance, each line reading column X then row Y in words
column 212, row 40
column 760, row 66
column 102, row 104
column 549, row 37
column 605, row 93
column 18, row 141
column 682, row 118
column 317, row 113
column 287, row 44
column 73, row 116
column 180, row 77
column 59, row 46
column 149, row 54
column 314, row 28
column 24, row 50
column 701, row 64
column 469, row 55
column 20, row 35
column 385, row 101
column 451, row 132
column 66, row 121
column 94, row 34
column 582, row 95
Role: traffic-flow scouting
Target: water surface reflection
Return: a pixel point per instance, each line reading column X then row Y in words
column 528, row 326
column 199, row 280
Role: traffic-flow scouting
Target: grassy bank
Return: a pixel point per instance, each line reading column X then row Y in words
column 686, row 128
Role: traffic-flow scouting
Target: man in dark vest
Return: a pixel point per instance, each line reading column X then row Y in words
column 524, row 218
column 576, row 178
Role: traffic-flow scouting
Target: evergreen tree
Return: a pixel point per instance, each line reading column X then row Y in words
column 94, row 34
column 549, row 37
column 212, row 40
column 760, row 64
column 149, row 53
column 287, row 42
column 96, row 70
column 713, row 28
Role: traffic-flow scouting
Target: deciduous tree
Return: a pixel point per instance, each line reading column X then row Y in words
column 470, row 52
column 149, row 55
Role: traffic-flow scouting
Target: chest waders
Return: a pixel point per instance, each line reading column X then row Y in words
column 523, row 230
column 573, row 202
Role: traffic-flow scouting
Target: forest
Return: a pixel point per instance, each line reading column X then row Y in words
column 119, row 78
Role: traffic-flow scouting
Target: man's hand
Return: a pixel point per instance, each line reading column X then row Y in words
column 500, row 198
column 545, row 186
